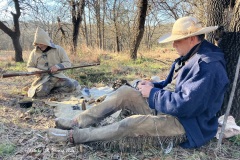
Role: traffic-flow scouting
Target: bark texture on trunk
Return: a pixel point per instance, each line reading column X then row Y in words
column 77, row 13
column 229, row 42
column 139, row 31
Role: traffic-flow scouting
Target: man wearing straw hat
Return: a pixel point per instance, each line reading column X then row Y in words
column 186, row 102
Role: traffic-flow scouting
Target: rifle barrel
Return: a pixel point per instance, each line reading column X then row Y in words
column 40, row 72
column 16, row 74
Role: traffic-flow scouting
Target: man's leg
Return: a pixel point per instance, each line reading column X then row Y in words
column 66, row 85
column 133, row 126
column 123, row 98
column 46, row 87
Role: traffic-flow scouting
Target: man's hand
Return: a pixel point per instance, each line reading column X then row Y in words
column 145, row 88
column 145, row 82
column 53, row 69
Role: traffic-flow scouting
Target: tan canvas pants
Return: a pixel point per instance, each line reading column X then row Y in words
column 143, row 124
column 59, row 84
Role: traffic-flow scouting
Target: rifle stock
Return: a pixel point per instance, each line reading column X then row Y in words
column 7, row 75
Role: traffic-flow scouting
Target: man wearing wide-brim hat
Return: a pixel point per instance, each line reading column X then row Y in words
column 186, row 102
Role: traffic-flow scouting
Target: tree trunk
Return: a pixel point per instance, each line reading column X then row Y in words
column 143, row 5
column 98, row 18
column 215, row 15
column 229, row 42
column 115, row 16
column 60, row 28
column 86, row 30
column 15, row 32
column 17, row 48
column 103, row 24
column 90, row 26
column 77, row 13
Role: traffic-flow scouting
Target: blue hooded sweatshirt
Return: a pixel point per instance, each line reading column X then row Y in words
column 198, row 95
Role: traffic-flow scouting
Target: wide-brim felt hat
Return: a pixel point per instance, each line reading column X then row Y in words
column 186, row 27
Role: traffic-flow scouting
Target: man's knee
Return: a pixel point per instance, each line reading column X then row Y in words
column 126, row 91
column 42, row 91
column 125, row 88
column 72, row 85
column 68, row 85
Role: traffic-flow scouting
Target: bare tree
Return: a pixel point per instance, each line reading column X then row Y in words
column 174, row 9
column 77, row 9
column 139, row 30
column 104, row 9
column 198, row 8
column 153, row 22
column 96, row 6
column 60, row 28
column 115, row 17
column 85, row 33
column 14, row 33
column 118, row 22
column 90, row 25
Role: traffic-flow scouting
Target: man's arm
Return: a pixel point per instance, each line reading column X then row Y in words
column 31, row 64
column 64, row 59
column 194, row 94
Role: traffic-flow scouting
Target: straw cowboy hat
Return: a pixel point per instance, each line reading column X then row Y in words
column 186, row 27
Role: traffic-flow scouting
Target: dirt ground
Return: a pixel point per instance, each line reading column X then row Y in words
column 23, row 133
column 24, row 129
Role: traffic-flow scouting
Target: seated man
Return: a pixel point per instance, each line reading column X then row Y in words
column 186, row 102
column 48, row 56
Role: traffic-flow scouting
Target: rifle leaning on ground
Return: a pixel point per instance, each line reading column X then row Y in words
column 41, row 72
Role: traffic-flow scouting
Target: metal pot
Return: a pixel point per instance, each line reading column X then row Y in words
column 25, row 103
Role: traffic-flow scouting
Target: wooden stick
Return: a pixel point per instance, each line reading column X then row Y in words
column 229, row 104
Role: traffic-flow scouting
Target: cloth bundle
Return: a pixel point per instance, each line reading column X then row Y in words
column 231, row 128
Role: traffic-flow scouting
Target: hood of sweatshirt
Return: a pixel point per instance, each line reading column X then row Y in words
column 42, row 37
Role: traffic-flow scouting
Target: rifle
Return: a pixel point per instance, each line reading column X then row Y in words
column 41, row 72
